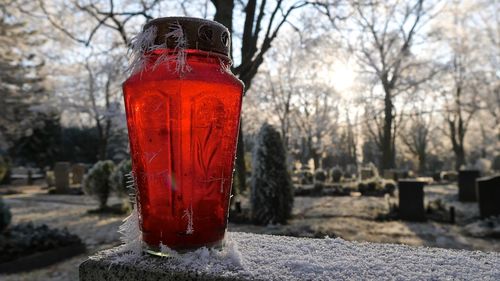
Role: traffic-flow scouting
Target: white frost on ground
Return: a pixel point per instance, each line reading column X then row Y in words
column 348, row 217
column 265, row 257
column 489, row 227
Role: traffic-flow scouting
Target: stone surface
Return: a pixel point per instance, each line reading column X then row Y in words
column 411, row 200
column 77, row 173
column 488, row 193
column 449, row 176
column 367, row 174
column 467, row 185
column 61, row 174
column 389, row 174
column 265, row 257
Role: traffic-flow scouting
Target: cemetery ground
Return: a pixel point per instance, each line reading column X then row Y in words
column 348, row 217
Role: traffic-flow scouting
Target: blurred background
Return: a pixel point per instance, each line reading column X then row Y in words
column 348, row 102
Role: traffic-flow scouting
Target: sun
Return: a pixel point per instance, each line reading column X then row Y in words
column 341, row 76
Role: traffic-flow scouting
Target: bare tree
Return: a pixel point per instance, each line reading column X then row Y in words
column 257, row 36
column 459, row 113
column 386, row 32
column 102, row 85
column 461, row 78
column 111, row 15
column 385, row 49
column 316, row 116
column 22, row 80
column 488, row 25
column 261, row 26
column 415, row 136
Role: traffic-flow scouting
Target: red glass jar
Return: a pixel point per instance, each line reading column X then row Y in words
column 183, row 129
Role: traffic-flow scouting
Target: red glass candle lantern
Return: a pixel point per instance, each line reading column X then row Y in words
column 183, row 109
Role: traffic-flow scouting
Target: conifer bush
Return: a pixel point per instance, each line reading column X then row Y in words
column 96, row 182
column 337, row 174
column 120, row 182
column 320, row 175
column 119, row 178
column 271, row 186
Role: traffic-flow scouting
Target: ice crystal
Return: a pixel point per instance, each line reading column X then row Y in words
column 144, row 43
column 131, row 186
column 177, row 33
column 131, row 235
column 140, row 45
column 188, row 214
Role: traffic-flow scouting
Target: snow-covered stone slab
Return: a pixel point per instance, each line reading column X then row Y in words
column 265, row 257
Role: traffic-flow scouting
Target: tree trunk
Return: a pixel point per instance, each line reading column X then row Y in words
column 459, row 156
column 387, row 149
column 421, row 163
column 224, row 15
column 103, row 144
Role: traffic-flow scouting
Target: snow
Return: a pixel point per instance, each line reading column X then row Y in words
column 489, row 227
column 266, row 257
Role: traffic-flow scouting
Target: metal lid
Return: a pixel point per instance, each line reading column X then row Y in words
column 199, row 34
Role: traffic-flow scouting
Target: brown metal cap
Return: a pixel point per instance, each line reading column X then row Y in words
column 199, row 34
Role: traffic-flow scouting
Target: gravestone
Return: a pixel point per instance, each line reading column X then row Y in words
column 61, row 174
column 389, row 175
column 29, row 178
column 436, row 177
column 401, row 174
column 449, row 176
column 306, row 177
column 467, row 185
column 411, row 200
column 367, row 173
column 320, row 175
column 336, row 174
column 488, row 196
column 77, row 172
column 50, row 179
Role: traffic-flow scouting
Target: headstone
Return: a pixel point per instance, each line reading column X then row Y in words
column 336, row 174
column 367, row 174
column 29, row 178
column 401, row 174
column 320, row 175
column 488, row 196
column 467, row 185
column 77, row 172
column 495, row 165
column 50, row 179
column 449, row 176
column 436, row 177
column 411, row 200
column 389, row 175
column 61, row 174
column 306, row 177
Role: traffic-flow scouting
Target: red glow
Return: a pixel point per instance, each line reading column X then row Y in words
column 183, row 131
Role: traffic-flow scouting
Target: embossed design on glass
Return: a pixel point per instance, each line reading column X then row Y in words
column 183, row 130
